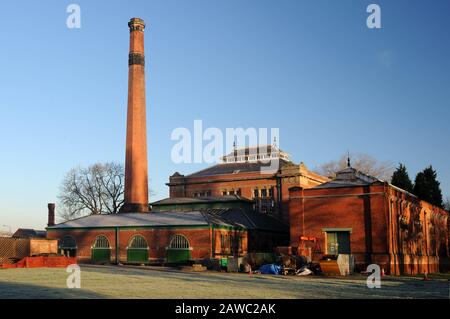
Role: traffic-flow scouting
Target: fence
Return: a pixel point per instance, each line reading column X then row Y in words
column 13, row 248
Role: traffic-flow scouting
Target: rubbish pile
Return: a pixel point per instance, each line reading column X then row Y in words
column 290, row 265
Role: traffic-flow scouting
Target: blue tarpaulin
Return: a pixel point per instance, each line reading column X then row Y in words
column 270, row 269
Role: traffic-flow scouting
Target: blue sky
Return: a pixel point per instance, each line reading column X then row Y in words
column 311, row 68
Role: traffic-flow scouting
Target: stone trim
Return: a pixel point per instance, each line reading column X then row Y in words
column 136, row 58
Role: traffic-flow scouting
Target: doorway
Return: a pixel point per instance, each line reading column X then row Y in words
column 338, row 242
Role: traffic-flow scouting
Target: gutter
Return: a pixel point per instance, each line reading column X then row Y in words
column 339, row 195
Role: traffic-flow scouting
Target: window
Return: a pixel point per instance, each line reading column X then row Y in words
column 238, row 192
column 68, row 246
column 231, row 244
column 225, row 243
column 179, row 242
column 240, row 245
column 68, row 242
column 255, row 193
column 271, row 192
column 224, row 193
column 202, row 194
column 101, row 242
column 263, row 192
column 137, row 250
column 231, row 192
column 138, row 241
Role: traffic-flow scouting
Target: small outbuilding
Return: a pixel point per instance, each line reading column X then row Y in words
column 169, row 237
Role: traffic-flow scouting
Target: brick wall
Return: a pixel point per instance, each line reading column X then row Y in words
column 200, row 241
column 292, row 175
column 372, row 215
column 157, row 239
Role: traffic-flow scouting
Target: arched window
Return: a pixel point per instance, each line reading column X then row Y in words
column 101, row 242
column 179, row 242
column 137, row 250
column 68, row 242
column 138, row 241
column 68, row 246
column 101, row 251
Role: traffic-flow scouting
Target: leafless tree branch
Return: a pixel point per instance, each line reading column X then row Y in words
column 362, row 162
column 97, row 189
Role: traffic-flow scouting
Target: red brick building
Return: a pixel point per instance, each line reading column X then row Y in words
column 263, row 174
column 168, row 237
column 372, row 220
column 140, row 236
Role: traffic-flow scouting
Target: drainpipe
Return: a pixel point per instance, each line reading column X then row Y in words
column 279, row 197
column 211, row 242
column 425, row 232
column 117, row 245
column 303, row 212
column 387, row 201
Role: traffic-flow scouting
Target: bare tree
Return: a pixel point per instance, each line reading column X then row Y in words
column 97, row 189
column 362, row 162
column 447, row 204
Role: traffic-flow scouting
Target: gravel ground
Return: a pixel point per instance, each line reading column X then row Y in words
column 152, row 282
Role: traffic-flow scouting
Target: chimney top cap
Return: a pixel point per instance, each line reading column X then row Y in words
column 136, row 24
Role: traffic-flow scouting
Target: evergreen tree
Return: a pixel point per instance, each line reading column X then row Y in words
column 427, row 187
column 401, row 179
column 447, row 204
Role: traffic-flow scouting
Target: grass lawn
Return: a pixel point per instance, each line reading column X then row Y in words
column 151, row 282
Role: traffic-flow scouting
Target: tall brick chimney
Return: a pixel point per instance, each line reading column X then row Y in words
column 136, row 174
column 51, row 214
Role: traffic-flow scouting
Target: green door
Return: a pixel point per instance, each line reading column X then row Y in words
column 178, row 255
column 137, row 255
column 101, row 255
column 101, row 250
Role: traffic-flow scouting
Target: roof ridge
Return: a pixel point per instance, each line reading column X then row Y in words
column 78, row 218
column 248, row 218
column 204, row 169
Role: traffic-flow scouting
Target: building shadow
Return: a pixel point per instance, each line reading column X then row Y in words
column 12, row 290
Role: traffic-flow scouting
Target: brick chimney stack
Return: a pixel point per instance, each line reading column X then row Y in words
column 136, row 166
column 51, row 214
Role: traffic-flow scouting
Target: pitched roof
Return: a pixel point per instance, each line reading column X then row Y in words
column 349, row 177
column 246, row 219
column 198, row 200
column 231, row 217
column 29, row 233
column 136, row 219
column 234, row 168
